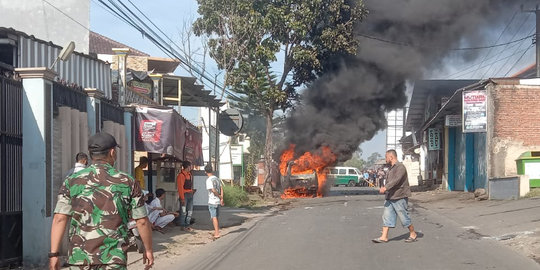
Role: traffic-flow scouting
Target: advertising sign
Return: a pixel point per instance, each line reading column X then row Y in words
column 434, row 139
column 453, row 121
column 474, row 111
column 193, row 146
column 157, row 131
column 236, row 154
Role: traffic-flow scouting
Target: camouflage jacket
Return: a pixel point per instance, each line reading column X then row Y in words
column 100, row 200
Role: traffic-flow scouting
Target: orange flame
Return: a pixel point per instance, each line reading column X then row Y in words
column 306, row 164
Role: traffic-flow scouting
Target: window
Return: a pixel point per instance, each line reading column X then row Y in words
column 333, row 171
column 342, row 171
column 352, row 171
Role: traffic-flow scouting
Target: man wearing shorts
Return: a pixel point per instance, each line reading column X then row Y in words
column 397, row 191
column 215, row 197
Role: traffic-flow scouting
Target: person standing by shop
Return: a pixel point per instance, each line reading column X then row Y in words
column 184, row 182
column 215, row 197
column 98, row 202
column 397, row 192
column 139, row 173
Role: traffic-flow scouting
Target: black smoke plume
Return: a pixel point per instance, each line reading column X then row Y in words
column 347, row 107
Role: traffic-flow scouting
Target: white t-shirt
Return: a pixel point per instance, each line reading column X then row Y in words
column 213, row 182
column 153, row 214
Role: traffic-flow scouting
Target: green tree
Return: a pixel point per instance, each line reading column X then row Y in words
column 372, row 159
column 245, row 38
column 355, row 162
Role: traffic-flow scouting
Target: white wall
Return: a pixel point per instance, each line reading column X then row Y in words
column 40, row 19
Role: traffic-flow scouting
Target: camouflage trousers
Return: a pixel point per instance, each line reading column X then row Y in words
column 98, row 267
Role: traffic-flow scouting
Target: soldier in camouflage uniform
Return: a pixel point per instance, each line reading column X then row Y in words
column 99, row 201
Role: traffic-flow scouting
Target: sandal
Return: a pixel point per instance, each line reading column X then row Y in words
column 378, row 240
column 410, row 239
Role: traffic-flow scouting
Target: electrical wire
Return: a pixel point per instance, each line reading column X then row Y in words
column 65, row 14
column 499, row 38
column 149, row 33
column 450, row 49
column 464, row 71
column 519, row 59
column 519, row 47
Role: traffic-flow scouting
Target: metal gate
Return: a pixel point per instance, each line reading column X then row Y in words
column 10, row 172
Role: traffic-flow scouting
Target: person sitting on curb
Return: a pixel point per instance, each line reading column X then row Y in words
column 215, row 197
column 161, row 215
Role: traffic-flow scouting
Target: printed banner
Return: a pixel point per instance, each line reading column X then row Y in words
column 474, row 111
column 159, row 131
column 193, row 145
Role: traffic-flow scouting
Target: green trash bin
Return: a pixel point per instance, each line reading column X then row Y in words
column 529, row 163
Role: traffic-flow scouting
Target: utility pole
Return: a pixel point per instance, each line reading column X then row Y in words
column 536, row 37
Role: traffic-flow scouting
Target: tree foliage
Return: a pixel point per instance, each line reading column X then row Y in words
column 269, row 48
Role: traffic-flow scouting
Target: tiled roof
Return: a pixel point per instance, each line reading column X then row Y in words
column 103, row 45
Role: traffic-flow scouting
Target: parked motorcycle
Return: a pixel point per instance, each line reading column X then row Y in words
column 134, row 238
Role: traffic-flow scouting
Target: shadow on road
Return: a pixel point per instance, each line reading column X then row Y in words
column 350, row 191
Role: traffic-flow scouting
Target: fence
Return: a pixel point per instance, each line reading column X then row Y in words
column 10, row 172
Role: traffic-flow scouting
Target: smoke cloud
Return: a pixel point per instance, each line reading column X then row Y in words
column 345, row 108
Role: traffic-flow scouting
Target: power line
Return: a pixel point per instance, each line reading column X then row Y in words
column 464, row 71
column 148, row 32
column 451, row 49
column 65, row 14
column 519, row 47
column 499, row 38
column 519, row 59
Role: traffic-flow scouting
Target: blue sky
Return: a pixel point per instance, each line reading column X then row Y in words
column 171, row 16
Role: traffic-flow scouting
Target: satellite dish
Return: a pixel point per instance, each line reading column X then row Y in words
column 230, row 122
column 65, row 53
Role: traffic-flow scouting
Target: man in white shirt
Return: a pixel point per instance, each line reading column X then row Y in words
column 215, row 197
column 81, row 161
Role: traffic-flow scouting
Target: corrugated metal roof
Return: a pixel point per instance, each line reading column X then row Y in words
column 84, row 70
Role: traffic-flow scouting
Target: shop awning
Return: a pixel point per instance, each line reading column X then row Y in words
column 416, row 115
column 192, row 94
column 453, row 105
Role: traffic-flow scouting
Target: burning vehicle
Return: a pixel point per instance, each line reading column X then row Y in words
column 299, row 185
column 305, row 176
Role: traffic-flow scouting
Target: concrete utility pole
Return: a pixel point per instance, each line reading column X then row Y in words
column 536, row 38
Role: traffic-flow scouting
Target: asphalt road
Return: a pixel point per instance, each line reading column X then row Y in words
column 335, row 232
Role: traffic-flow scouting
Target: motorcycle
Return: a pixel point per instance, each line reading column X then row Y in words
column 134, row 238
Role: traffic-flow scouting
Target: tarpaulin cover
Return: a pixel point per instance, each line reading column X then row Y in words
column 160, row 131
column 193, row 145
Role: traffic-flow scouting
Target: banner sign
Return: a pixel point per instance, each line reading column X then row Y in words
column 434, row 139
column 453, row 121
column 236, row 154
column 193, row 145
column 474, row 111
column 159, row 131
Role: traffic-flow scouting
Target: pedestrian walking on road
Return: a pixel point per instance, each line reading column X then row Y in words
column 98, row 202
column 215, row 197
column 397, row 192
column 184, row 182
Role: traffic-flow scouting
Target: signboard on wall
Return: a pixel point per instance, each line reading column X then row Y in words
column 453, row 121
column 236, row 154
column 474, row 111
column 434, row 139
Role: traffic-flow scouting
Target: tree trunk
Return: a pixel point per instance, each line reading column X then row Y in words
column 268, row 161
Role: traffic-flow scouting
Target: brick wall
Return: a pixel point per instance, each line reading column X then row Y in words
column 138, row 63
column 517, row 113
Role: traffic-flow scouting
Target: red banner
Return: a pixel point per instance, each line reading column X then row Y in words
column 193, row 145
